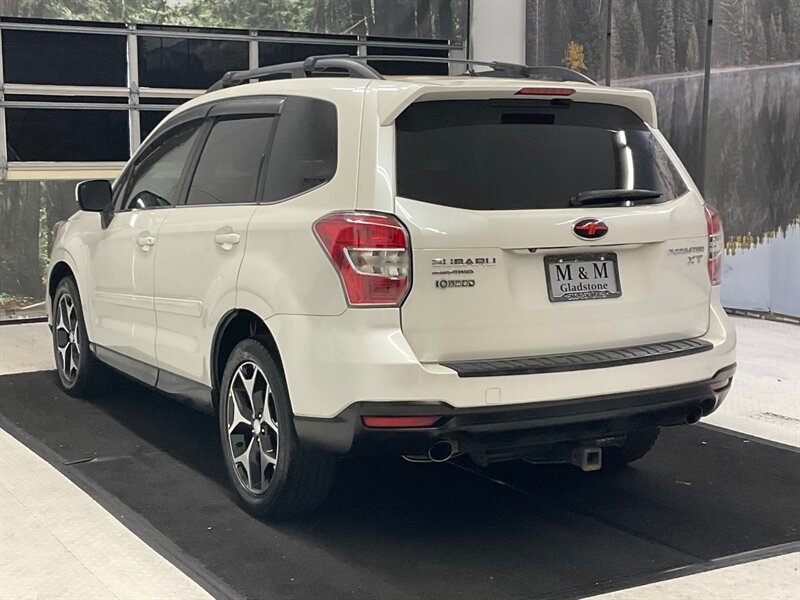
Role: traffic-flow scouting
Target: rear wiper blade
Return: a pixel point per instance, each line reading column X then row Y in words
column 624, row 197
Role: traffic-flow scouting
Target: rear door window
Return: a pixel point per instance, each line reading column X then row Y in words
column 229, row 167
column 526, row 154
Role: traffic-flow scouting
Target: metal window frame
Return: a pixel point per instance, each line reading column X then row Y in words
column 36, row 170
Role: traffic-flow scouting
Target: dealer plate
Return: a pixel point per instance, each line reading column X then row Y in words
column 582, row 277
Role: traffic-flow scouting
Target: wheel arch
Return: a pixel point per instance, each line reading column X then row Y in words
column 58, row 271
column 236, row 325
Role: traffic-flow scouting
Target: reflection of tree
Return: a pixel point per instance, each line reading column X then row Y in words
column 664, row 36
column 402, row 18
column 28, row 212
column 20, row 272
column 753, row 147
column 574, row 57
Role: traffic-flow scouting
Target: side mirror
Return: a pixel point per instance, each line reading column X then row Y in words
column 93, row 195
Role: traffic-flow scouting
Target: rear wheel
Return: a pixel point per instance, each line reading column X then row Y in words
column 637, row 444
column 79, row 372
column 273, row 474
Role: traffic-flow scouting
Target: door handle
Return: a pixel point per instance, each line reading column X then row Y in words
column 146, row 242
column 227, row 240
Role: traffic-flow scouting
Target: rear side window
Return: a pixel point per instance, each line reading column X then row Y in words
column 232, row 158
column 304, row 153
column 525, row 154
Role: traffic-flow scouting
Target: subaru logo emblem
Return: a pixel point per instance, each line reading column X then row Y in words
column 590, row 229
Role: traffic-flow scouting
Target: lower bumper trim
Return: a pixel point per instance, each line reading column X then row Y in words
column 514, row 426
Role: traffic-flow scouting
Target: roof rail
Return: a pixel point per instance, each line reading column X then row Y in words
column 355, row 67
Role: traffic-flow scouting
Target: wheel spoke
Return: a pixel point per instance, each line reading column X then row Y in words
column 248, row 383
column 61, row 325
column 62, row 352
column 268, row 417
column 244, row 459
column 268, row 457
column 236, row 418
column 69, row 312
column 73, row 357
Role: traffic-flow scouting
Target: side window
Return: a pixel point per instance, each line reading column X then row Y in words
column 304, row 153
column 229, row 166
column 155, row 180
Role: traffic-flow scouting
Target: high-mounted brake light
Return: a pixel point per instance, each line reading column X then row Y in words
column 371, row 254
column 416, row 421
column 715, row 244
column 530, row 91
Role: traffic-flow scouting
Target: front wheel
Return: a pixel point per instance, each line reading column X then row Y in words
column 79, row 372
column 273, row 474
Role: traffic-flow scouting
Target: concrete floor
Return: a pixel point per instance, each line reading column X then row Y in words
column 57, row 542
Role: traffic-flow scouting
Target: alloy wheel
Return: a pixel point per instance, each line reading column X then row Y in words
column 68, row 337
column 252, row 427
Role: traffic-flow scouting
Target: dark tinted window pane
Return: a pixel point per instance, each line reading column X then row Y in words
column 275, row 53
column 156, row 177
column 81, row 99
column 69, row 135
column 191, row 64
column 407, row 68
column 229, row 166
column 148, row 119
column 304, row 152
column 516, row 155
column 64, row 58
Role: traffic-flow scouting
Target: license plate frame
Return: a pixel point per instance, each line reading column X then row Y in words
column 576, row 259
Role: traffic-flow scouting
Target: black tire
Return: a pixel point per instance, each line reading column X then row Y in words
column 79, row 372
column 637, row 444
column 301, row 477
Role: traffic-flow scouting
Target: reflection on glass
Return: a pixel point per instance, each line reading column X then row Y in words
column 406, row 68
column 36, row 134
column 50, row 58
column 188, row 63
column 29, row 211
column 276, row 53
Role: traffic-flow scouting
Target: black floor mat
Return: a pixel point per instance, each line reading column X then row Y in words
column 397, row 530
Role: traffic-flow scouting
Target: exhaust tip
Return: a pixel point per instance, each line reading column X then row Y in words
column 694, row 415
column 441, row 451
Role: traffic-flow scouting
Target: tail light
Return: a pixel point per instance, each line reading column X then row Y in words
column 371, row 254
column 715, row 244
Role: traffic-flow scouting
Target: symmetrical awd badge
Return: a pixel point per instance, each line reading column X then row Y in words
column 590, row 229
column 458, row 266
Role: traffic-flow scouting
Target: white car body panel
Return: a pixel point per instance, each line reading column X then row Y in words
column 195, row 282
column 117, row 267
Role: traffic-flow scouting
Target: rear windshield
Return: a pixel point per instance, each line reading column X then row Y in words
column 526, row 154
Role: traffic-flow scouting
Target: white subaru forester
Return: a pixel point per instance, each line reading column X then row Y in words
column 496, row 265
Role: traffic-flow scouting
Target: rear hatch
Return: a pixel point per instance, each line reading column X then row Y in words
column 518, row 247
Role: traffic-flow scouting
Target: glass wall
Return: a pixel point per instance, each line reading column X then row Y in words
column 749, row 169
column 754, row 151
column 29, row 211
column 79, row 98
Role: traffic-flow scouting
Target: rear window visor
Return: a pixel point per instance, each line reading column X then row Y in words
column 526, row 154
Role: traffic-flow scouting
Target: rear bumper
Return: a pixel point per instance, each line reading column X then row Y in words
column 507, row 431
column 361, row 356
